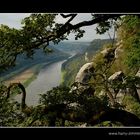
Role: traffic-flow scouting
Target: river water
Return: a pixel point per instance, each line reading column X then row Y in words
column 48, row 77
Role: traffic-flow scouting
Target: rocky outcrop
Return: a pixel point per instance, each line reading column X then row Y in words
column 81, row 83
column 108, row 54
column 121, row 86
column 85, row 73
column 118, row 51
column 138, row 86
column 117, row 76
column 138, row 73
column 116, row 79
column 118, row 84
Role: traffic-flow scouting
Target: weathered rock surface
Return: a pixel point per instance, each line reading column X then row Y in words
column 119, row 92
column 85, row 73
column 116, row 76
column 138, row 86
column 118, row 51
column 82, row 79
column 108, row 53
column 138, row 73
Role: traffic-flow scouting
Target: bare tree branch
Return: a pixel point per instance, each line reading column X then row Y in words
column 22, row 89
column 68, row 15
column 109, row 114
column 69, row 27
column 95, row 21
column 72, row 17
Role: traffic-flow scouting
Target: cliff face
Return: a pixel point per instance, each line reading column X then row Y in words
column 71, row 67
column 117, row 82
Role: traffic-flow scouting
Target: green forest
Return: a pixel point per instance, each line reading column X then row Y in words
column 100, row 85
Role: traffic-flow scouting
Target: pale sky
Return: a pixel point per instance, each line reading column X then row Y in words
column 14, row 20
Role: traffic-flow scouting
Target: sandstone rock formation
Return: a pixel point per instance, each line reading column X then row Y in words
column 108, row 54
column 85, row 73
column 82, row 79
column 117, row 76
column 138, row 86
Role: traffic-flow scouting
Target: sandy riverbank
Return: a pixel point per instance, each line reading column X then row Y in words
column 22, row 77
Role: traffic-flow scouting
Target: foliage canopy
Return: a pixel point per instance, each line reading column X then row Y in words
column 37, row 32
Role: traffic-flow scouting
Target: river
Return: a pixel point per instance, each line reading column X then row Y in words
column 48, row 77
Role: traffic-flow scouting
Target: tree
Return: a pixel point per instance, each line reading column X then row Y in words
column 10, row 116
column 60, row 104
column 37, row 32
column 40, row 29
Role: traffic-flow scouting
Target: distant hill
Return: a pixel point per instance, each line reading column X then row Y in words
column 39, row 57
column 72, row 66
column 72, row 47
column 95, row 46
column 60, row 51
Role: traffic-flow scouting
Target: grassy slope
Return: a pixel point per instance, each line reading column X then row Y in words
column 70, row 69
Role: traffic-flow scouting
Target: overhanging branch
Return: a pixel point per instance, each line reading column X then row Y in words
column 108, row 114
column 67, row 27
column 69, row 15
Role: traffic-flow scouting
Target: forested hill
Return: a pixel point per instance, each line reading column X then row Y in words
column 72, row 66
column 60, row 51
column 39, row 57
column 72, row 47
column 96, row 45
